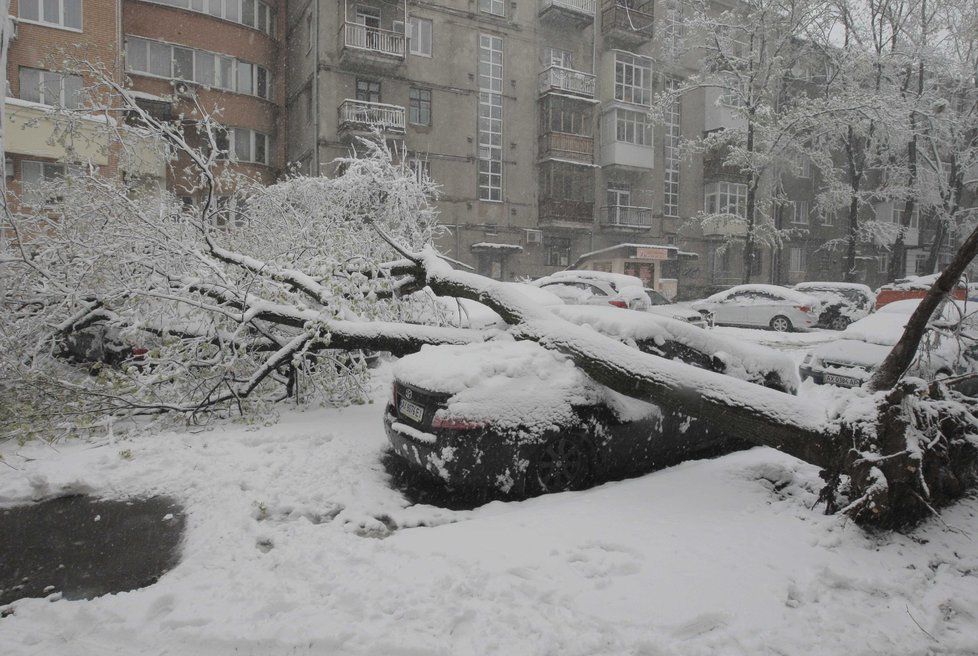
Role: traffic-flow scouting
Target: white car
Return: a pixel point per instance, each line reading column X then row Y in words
column 596, row 288
column 663, row 307
column 949, row 347
column 762, row 306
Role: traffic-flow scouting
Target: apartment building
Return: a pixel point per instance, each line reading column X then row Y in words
column 222, row 55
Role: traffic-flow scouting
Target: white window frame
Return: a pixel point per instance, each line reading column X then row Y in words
column 633, row 127
column 490, row 121
column 253, row 137
column 219, row 83
column 493, row 7
column 799, row 211
column 638, row 89
column 721, row 195
column 220, row 9
column 797, row 259
column 896, row 214
column 671, row 156
column 416, row 34
column 42, row 86
column 59, row 24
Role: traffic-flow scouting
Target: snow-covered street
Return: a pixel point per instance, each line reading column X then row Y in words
column 296, row 544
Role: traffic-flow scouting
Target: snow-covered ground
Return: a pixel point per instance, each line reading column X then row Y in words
column 297, row 545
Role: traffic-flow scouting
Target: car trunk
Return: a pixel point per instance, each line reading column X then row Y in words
column 416, row 407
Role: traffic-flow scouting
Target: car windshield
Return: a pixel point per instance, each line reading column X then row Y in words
column 657, row 298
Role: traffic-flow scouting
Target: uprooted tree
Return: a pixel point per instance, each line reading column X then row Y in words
column 259, row 295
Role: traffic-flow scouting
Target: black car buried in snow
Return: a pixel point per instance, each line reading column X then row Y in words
column 509, row 418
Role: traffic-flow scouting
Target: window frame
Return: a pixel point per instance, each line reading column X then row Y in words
column 414, row 28
column 416, row 103
column 639, row 69
column 487, row 6
column 42, row 86
column 61, row 16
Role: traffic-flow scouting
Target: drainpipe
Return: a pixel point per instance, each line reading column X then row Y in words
column 315, row 86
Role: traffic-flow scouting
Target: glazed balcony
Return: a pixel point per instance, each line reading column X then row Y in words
column 570, row 214
column 567, row 80
column 371, row 46
column 568, row 147
column 575, row 11
column 362, row 116
column 626, row 217
column 627, row 22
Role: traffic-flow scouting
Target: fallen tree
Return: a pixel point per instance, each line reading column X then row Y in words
column 246, row 302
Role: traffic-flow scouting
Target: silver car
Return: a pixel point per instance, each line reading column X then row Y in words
column 762, row 306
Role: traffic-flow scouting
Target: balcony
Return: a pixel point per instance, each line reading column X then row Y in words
column 371, row 46
column 568, row 214
column 626, row 217
column 576, row 11
column 567, row 80
column 567, row 147
column 361, row 116
column 627, row 22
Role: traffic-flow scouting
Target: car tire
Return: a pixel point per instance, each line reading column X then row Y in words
column 562, row 463
column 839, row 323
column 781, row 324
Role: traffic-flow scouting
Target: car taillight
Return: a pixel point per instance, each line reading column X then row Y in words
column 441, row 420
column 619, row 304
column 803, row 308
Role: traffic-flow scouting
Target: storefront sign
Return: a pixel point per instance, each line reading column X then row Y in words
column 652, row 253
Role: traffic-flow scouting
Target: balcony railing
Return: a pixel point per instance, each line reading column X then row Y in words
column 561, row 145
column 558, row 78
column 370, row 115
column 627, row 19
column 373, row 39
column 626, row 216
column 585, row 7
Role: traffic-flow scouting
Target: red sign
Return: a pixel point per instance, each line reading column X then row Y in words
column 652, row 253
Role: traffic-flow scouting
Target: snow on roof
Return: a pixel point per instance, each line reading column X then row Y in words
column 494, row 245
column 617, row 246
column 575, row 162
column 28, row 104
column 142, row 95
column 619, row 280
column 784, row 292
column 743, row 360
column 512, row 384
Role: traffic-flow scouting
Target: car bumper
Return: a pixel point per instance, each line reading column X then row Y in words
column 477, row 459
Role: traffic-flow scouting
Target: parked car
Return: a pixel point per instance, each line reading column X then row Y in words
column 913, row 287
column 842, row 302
column 950, row 346
column 510, row 418
column 596, row 288
column 662, row 306
column 762, row 306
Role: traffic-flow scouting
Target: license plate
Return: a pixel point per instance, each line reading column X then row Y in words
column 412, row 411
column 845, row 381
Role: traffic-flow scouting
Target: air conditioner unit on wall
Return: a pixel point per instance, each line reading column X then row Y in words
column 534, row 237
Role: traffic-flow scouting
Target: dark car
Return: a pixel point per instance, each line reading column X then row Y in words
column 514, row 419
column 842, row 302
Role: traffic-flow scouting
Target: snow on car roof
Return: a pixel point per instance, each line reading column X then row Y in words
column 841, row 286
column 743, row 360
column 913, row 283
column 885, row 326
column 783, row 292
column 511, row 384
column 619, row 280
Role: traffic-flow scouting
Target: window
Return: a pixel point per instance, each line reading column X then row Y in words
column 633, row 79
column 721, row 260
column 199, row 66
column 560, row 181
column 495, row 7
column 920, row 264
column 633, row 127
column 798, row 211
column 368, row 90
column 33, row 174
column 420, row 105
column 565, row 115
column 797, row 259
column 726, row 198
column 62, row 13
column 802, row 166
column 419, row 36
column 883, row 260
column 671, row 155
column 828, row 217
column 490, row 126
column 249, row 145
column 557, row 57
column 731, row 91
column 558, row 251
column 897, row 211
column 50, row 88
column 251, row 13
column 673, row 27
